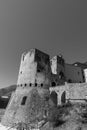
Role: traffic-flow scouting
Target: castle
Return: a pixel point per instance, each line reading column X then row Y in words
column 43, row 83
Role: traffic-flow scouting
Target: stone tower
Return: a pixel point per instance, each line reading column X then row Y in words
column 30, row 102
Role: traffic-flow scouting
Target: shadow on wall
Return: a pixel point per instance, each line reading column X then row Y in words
column 4, row 102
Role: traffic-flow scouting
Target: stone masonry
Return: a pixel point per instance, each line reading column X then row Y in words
column 41, row 84
column 30, row 102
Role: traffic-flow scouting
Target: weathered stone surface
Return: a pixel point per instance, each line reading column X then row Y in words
column 58, row 70
column 30, row 102
column 76, row 92
column 34, row 68
column 36, row 82
column 35, row 108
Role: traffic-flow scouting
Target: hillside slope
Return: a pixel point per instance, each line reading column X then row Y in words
column 7, row 90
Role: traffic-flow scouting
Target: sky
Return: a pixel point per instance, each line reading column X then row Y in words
column 52, row 26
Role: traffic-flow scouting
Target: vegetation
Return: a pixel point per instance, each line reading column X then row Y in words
column 56, row 114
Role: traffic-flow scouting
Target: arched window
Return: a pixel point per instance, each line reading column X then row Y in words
column 53, row 97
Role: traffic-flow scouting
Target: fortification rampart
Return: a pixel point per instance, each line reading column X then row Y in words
column 76, row 92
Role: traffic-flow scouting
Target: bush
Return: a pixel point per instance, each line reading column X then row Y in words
column 55, row 116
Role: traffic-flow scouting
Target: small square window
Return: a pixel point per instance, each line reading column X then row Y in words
column 41, row 85
column 35, row 84
column 24, row 100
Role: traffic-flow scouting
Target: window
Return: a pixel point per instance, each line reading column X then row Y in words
column 53, row 97
column 21, row 72
column 45, row 112
column 25, row 84
column 35, row 84
column 63, row 97
column 30, row 84
column 53, row 84
column 24, row 100
column 41, row 85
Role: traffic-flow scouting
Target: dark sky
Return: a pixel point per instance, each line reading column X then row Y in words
column 53, row 26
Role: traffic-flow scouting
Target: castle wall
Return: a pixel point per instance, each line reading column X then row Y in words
column 73, row 92
column 54, row 65
column 77, row 91
column 43, row 75
column 73, row 74
column 35, row 107
column 59, row 90
column 32, row 98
